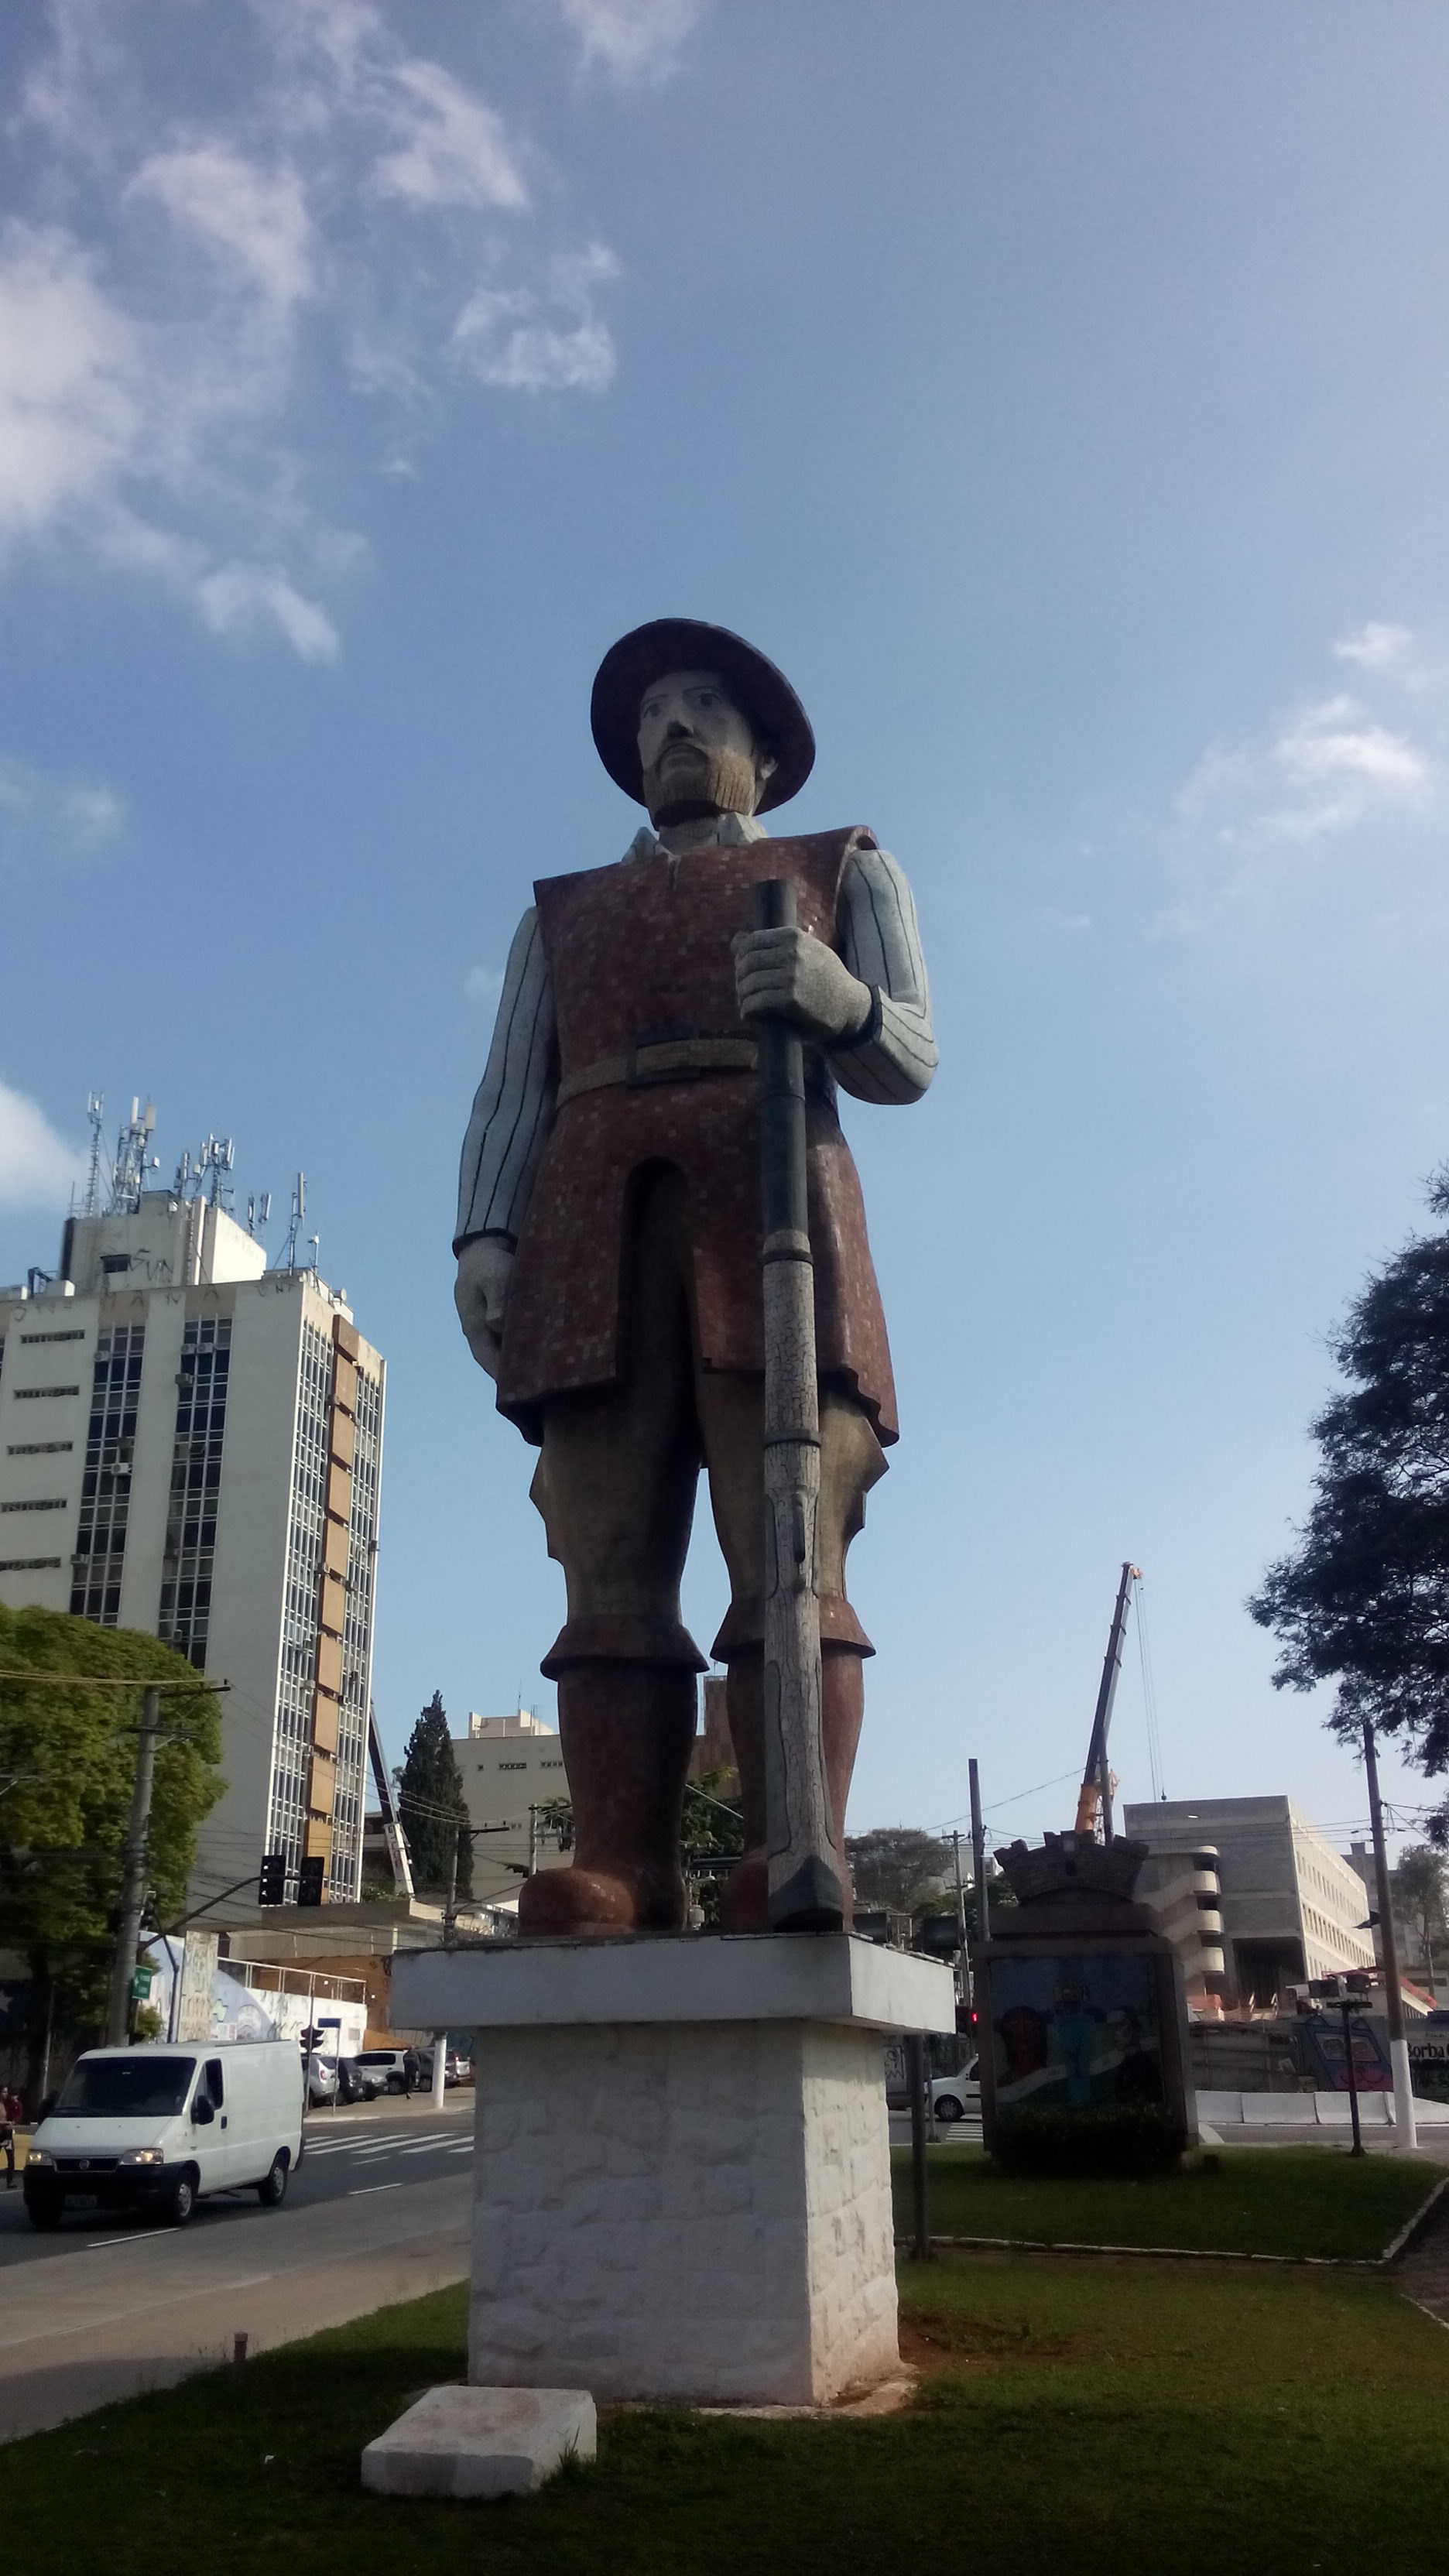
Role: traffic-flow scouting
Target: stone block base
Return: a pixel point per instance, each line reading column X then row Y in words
column 687, row 2210
column 473, row 2443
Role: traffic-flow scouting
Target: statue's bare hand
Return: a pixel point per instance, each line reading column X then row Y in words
column 480, row 1294
column 791, row 975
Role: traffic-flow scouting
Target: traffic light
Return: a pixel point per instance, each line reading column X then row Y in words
column 272, row 1885
column 310, row 1875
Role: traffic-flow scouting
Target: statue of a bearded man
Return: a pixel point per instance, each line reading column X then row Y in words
column 609, row 1239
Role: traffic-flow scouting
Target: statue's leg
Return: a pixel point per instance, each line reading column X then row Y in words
column 851, row 1461
column 615, row 1484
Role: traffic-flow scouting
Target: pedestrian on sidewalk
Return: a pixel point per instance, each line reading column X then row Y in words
column 12, row 2109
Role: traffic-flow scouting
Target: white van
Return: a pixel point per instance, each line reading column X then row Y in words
column 156, row 2129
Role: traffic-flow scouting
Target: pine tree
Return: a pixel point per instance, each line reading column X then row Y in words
column 432, row 1806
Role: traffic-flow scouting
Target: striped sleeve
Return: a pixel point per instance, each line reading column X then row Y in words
column 894, row 1057
column 514, row 1106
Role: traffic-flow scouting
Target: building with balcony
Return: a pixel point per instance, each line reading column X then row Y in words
column 191, row 1444
column 1289, row 1906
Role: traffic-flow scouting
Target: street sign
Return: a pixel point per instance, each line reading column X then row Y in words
column 142, row 1980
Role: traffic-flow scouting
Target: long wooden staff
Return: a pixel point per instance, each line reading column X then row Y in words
column 807, row 1867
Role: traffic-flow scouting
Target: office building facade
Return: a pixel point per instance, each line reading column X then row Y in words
column 191, row 1444
column 1291, row 1908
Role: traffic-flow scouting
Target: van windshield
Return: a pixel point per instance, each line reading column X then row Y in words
column 125, row 2088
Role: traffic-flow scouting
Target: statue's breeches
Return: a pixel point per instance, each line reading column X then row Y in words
column 617, row 1477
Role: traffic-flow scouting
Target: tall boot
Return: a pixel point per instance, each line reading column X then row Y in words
column 744, row 1898
column 626, row 1731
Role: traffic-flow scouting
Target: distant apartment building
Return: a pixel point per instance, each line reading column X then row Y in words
column 1423, row 1965
column 191, row 1444
column 511, row 1767
column 1290, row 1906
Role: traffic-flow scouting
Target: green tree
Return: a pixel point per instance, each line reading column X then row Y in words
column 1363, row 1599
column 67, row 1762
column 432, row 1805
column 1418, row 1891
column 900, row 1868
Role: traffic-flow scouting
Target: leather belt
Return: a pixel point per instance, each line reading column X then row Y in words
column 661, row 1060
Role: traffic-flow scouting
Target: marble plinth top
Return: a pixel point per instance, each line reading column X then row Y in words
column 689, row 1977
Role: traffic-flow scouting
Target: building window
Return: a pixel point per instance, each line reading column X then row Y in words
column 37, row 1448
column 75, row 1335
column 100, row 1543
column 28, row 1564
column 201, row 1387
column 48, row 1503
column 32, row 1394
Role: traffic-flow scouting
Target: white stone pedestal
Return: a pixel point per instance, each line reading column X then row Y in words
column 682, row 2185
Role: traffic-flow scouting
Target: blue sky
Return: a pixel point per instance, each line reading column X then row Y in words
column 1059, row 394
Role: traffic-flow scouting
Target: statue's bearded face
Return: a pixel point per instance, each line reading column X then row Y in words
column 699, row 754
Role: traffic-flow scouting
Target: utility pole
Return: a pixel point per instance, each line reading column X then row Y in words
column 133, row 1882
column 1406, row 2134
column 978, row 1856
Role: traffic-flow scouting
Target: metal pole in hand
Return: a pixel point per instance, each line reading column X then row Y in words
column 133, row 1880
column 920, row 2207
column 807, row 1867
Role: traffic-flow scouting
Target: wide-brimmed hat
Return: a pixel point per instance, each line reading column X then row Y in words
column 686, row 644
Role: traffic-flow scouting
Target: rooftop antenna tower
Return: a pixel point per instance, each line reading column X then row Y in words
column 134, row 1160
column 95, row 1116
column 259, row 1209
column 299, row 1210
column 215, row 1156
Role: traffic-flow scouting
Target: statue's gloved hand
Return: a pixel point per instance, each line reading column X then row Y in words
column 792, row 975
column 480, row 1293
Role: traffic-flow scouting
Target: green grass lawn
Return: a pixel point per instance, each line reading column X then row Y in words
column 1077, row 2416
column 1265, row 2200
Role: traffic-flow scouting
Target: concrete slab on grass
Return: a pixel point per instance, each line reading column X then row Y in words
column 473, row 2443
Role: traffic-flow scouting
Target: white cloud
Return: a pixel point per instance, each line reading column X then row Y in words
column 258, row 217
column 70, row 396
column 632, row 44
column 37, row 1167
column 483, row 983
column 1323, row 772
column 1377, row 646
column 453, row 149
column 44, row 819
column 348, row 220
column 545, row 339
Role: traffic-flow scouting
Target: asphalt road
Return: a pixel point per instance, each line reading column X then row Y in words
column 378, row 2211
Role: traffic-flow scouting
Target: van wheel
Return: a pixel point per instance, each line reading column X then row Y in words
column 44, row 2214
column 180, row 2200
column 395, row 2084
column 273, row 2191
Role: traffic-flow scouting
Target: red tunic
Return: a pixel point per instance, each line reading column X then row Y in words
column 642, row 950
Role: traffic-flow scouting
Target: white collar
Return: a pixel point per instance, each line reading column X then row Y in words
column 728, row 831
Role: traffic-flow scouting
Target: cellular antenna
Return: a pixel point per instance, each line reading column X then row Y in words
column 294, row 1227
column 95, row 1116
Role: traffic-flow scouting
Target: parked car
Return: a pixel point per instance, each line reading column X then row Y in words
column 952, row 2096
column 322, row 2084
column 356, row 2082
column 399, row 2069
column 157, row 2128
column 457, row 2069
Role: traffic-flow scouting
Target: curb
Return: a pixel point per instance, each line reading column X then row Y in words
column 1413, row 2228
column 1154, row 2253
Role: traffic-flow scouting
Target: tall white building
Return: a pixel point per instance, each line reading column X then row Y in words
column 510, row 1767
column 191, row 1444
